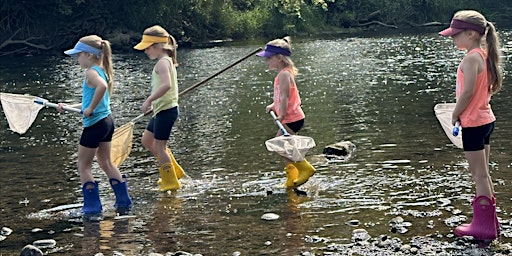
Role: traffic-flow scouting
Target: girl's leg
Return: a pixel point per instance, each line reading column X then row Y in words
column 85, row 157
column 157, row 147
column 487, row 149
column 92, row 202
column 103, row 157
column 160, row 151
column 123, row 201
column 479, row 168
column 148, row 140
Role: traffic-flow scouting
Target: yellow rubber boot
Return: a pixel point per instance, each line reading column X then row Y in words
column 168, row 177
column 291, row 174
column 177, row 167
column 306, row 170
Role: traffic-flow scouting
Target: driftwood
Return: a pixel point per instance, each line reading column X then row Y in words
column 25, row 41
column 367, row 24
column 428, row 24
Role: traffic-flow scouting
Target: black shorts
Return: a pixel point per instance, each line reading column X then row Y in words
column 161, row 124
column 296, row 126
column 101, row 131
column 474, row 138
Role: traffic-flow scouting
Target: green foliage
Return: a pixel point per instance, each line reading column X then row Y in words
column 58, row 23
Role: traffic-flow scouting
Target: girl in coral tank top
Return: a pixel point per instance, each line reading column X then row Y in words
column 478, row 78
column 287, row 104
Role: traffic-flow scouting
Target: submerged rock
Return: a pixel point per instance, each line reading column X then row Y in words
column 45, row 243
column 360, row 235
column 342, row 150
column 30, row 250
column 270, row 216
column 6, row 231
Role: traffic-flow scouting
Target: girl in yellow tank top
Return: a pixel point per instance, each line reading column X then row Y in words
column 158, row 44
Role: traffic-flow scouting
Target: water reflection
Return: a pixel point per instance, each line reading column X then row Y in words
column 377, row 92
column 164, row 225
column 107, row 237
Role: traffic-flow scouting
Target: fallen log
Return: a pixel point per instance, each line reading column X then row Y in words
column 367, row 24
column 429, row 24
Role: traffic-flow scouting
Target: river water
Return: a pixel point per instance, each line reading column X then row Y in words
column 377, row 91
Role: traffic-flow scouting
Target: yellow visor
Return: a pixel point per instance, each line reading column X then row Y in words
column 147, row 41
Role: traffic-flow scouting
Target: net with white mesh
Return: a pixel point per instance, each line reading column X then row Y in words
column 20, row 111
column 443, row 113
column 293, row 147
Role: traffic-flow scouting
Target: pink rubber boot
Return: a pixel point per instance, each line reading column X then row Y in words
column 483, row 226
column 496, row 222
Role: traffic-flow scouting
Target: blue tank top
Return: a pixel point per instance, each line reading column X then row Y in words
column 102, row 110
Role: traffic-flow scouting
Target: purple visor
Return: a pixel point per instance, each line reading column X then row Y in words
column 458, row 26
column 271, row 50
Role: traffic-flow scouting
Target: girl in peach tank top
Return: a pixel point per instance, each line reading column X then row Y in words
column 478, row 112
column 294, row 111
column 478, row 78
column 286, row 105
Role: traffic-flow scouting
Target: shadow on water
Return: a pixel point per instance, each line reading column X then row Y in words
column 404, row 190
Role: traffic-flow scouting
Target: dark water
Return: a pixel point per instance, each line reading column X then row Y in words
column 376, row 91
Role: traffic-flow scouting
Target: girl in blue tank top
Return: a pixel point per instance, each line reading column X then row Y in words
column 94, row 55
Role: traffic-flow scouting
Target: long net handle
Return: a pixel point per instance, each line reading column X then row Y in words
column 53, row 105
column 137, row 118
column 219, row 72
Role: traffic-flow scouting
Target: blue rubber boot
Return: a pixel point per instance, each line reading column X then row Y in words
column 123, row 201
column 92, row 202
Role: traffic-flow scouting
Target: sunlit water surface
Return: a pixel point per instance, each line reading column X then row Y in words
column 376, row 91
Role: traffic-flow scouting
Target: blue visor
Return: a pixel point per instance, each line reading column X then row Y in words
column 81, row 47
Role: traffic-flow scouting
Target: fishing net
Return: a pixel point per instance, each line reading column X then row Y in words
column 443, row 113
column 293, row 147
column 20, row 111
column 121, row 143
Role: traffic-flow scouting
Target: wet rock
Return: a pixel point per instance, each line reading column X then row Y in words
column 30, row 250
column 504, row 248
column 353, row 223
column 269, row 216
column 341, row 150
column 405, row 248
column 442, row 202
column 360, row 235
column 5, row 231
column 44, row 243
column 315, row 239
column 398, row 225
